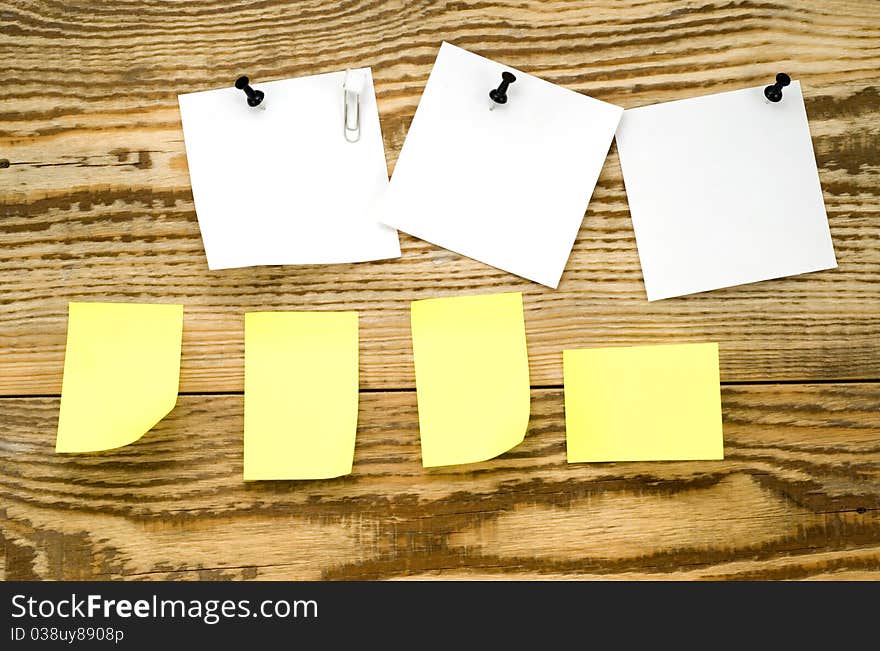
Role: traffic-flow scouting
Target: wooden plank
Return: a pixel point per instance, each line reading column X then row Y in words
column 96, row 203
column 797, row 496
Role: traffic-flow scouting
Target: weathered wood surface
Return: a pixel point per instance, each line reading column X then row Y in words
column 798, row 495
column 96, row 205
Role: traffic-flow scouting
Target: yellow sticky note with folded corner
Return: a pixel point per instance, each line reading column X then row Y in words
column 121, row 373
column 472, row 376
column 644, row 403
column 300, row 394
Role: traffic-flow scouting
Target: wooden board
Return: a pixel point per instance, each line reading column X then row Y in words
column 797, row 496
column 96, row 205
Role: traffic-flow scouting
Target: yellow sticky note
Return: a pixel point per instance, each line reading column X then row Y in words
column 121, row 373
column 472, row 376
column 300, row 394
column 646, row 403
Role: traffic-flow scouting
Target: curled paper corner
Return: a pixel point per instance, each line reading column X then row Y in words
column 121, row 373
column 472, row 377
column 65, row 443
column 496, row 445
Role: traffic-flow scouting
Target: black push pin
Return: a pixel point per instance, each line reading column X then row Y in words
column 499, row 95
column 254, row 97
column 774, row 93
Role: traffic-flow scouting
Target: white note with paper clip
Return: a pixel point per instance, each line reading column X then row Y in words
column 287, row 185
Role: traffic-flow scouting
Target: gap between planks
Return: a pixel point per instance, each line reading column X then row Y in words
column 534, row 387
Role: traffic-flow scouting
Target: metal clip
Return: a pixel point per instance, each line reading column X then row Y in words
column 351, row 100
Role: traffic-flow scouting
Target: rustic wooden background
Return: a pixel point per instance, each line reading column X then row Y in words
column 97, row 206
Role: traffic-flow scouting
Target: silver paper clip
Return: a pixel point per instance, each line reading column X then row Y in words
column 352, row 88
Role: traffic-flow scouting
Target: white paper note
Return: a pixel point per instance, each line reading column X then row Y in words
column 282, row 185
column 723, row 190
column 509, row 186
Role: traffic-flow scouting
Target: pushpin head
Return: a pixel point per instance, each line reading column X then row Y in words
column 773, row 93
column 254, row 97
column 499, row 95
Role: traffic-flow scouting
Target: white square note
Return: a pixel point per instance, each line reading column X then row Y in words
column 283, row 185
column 723, row 190
column 507, row 186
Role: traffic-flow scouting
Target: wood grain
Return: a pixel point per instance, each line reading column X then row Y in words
column 797, row 496
column 95, row 204
column 98, row 206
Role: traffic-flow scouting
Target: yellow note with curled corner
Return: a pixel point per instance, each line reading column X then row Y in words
column 121, row 373
column 472, row 376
